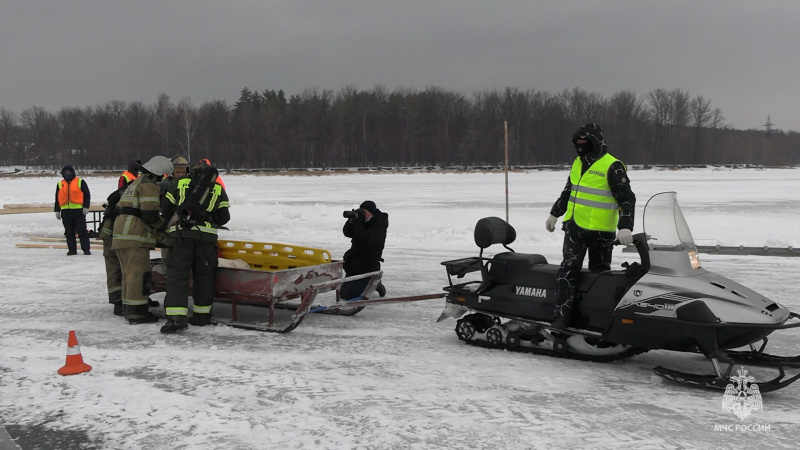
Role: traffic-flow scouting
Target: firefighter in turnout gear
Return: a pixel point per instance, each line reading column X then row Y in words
column 198, row 208
column 135, row 235
column 113, row 267
column 180, row 166
column 596, row 202
column 71, row 207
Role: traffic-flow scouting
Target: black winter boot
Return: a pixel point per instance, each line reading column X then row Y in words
column 153, row 303
column 139, row 314
column 118, row 308
column 175, row 324
column 200, row 320
column 381, row 289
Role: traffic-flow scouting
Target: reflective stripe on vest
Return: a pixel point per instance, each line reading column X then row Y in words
column 70, row 195
column 591, row 204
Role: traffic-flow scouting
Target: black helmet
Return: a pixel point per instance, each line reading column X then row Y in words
column 592, row 133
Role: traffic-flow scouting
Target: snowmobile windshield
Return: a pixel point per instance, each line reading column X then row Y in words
column 664, row 224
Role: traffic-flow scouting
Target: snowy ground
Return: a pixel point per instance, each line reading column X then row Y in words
column 391, row 376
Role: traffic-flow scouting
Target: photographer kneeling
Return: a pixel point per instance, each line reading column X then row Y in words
column 366, row 227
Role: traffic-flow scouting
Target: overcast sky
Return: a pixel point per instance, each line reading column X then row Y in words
column 742, row 55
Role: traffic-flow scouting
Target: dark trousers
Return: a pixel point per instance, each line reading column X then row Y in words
column 353, row 289
column 577, row 242
column 75, row 222
column 193, row 259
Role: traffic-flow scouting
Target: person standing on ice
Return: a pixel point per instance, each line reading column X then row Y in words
column 71, row 207
column 366, row 227
column 198, row 208
column 113, row 267
column 134, row 234
column 596, row 202
column 129, row 175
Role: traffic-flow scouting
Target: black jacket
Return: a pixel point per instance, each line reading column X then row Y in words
column 367, row 241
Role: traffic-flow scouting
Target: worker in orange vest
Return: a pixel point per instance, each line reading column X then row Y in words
column 71, row 207
column 129, row 175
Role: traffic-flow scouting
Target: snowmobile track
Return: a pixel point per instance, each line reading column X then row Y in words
column 565, row 355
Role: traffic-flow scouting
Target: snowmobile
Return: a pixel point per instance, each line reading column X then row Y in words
column 664, row 301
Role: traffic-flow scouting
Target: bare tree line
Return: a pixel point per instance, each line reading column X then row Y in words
column 376, row 127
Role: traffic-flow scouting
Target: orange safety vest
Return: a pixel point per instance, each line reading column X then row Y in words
column 70, row 195
column 125, row 178
column 219, row 181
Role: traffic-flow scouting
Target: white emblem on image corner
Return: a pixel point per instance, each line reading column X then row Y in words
column 742, row 396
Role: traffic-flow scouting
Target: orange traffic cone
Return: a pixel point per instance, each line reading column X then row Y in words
column 75, row 364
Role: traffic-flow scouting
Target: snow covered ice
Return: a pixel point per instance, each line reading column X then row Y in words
column 391, row 376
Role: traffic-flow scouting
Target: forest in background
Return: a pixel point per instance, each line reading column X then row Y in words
column 382, row 128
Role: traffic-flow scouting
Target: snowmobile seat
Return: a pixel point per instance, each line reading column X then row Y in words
column 513, row 263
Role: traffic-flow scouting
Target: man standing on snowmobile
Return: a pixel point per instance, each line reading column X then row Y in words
column 134, row 234
column 596, row 202
column 366, row 227
column 71, row 207
column 198, row 208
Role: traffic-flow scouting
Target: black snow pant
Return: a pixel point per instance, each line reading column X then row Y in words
column 193, row 259
column 577, row 241
column 75, row 222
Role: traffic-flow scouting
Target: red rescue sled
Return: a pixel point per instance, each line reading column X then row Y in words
column 269, row 275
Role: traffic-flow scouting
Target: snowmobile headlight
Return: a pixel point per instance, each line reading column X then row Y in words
column 694, row 259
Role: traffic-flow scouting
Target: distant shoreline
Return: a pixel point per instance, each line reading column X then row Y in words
column 393, row 170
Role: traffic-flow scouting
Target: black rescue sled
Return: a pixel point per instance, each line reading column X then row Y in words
column 666, row 301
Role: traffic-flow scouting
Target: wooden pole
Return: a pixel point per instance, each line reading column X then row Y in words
column 505, row 126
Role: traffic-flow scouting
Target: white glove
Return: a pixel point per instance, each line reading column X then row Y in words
column 85, row 211
column 625, row 237
column 58, row 215
column 551, row 223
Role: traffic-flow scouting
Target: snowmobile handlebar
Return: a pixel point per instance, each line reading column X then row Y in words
column 640, row 243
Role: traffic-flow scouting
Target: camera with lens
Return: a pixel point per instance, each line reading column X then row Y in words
column 357, row 214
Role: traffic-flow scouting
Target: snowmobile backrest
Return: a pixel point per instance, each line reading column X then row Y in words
column 493, row 230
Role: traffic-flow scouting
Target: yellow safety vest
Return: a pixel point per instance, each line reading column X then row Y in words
column 591, row 204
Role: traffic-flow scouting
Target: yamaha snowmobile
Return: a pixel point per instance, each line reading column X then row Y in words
column 664, row 301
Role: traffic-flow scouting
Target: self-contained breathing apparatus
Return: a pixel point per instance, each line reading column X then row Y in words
column 191, row 212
